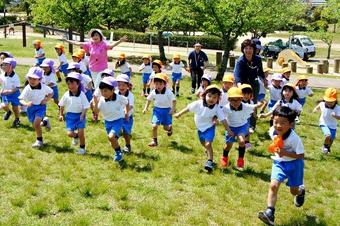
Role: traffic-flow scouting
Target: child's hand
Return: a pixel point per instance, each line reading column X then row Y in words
column 177, row 115
column 261, row 115
column 172, row 111
column 333, row 114
column 43, row 102
column 214, row 120
column 61, row 118
column 29, row 104
column 82, row 116
column 230, row 133
column 145, row 110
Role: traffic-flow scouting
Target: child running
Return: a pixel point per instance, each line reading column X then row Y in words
column 176, row 74
column 330, row 113
column 205, row 82
column 39, row 53
column 146, row 69
column 227, row 83
column 275, row 89
column 302, row 89
column 285, row 75
column 62, row 68
column 35, row 96
column 49, row 78
column 164, row 106
column 205, row 110
column 123, row 66
column 288, row 163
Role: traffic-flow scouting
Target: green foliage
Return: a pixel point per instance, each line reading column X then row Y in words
column 8, row 20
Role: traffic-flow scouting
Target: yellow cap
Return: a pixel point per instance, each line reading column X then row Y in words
column 267, row 69
column 82, row 52
column 330, row 95
column 177, row 56
column 302, row 77
column 157, row 62
column 122, row 55
column 162, row 76
column 146, row 57
column 228, row 78
column 285, row 70
column 244, row 86
column 78, row 55
column 291, row 85
column 212, row 87
column 235, row 92
column 37, row 42
column 59, row 46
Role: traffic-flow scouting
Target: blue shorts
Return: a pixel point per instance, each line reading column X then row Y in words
column 302, row 101
column 73, row 121
column 128, row 73
column 114, row 127
column 39, row 61
column 261, row 96
column 87, row 72
column 145, row 77
column 55, row 92
column 208, row 135
column 11, row 98
column 176, row 77
column 63, row 69
column 89, row 95
column 291, row 170
column 271, row 103
column 36, row 111
column 328, row 131
column 127, row 125
column 237, row 131
column 161, row 116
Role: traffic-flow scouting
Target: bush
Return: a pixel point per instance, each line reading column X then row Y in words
column 8, row 20
column 209, row 42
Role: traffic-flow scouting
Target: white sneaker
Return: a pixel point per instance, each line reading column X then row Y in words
column 81, row 151
column 37, row 144
column 46, row 123
column 75, row 141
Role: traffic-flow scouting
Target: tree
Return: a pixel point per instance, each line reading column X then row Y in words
column 331, row 13
column 231, row 19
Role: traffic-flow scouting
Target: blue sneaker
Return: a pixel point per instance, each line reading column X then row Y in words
column 118, row 156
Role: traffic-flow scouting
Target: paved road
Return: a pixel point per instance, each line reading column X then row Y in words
column 313, row 80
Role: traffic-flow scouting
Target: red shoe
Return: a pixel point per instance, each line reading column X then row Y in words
column 224, row 162
column 240, row 163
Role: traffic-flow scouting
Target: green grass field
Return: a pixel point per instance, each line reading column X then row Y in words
column 161, row 186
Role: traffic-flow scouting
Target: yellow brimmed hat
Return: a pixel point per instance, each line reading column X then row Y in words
column 235, row 92
column 162, row 76
column 157, row 62
column 291, row 85
column 37, row 42
column 228, row 78
column 59, row 46
column 330, row 95
column 286, row 69
column 302, row 77
column 176, row 56
column 146, row 57
column 267, row 69
column 122, row 55
column 212, row 87
column 244, row 86
column 78, row 55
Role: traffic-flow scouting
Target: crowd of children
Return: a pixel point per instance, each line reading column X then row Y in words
column 229, row 105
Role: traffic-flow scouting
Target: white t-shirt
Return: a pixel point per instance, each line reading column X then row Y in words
column 62, row 59
column 176, row 68
column 275, row 93
column 10, row 82
column 74, row 104
column 146, row 68
column 40, row 52
column 262, row 89
column 292, row 144
column 82, row 65
column 284, row 81
column 113, row 110
column 326, row 118
column 224, row 98
column 35, row 95
column 240, row 117
column 294, row 105
column 125, row 68
column 86, row 80
column 131, row 101
column 204, row 115
column 162, row 100
column 302, row 93
column 51, row 78
column 200, row 90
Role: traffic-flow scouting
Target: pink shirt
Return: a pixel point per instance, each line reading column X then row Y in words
column 98, row 55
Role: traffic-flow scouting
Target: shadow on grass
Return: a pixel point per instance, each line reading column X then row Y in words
column 180, row 147
column 142, row 155
column 136, row 166
column 248, row 171
column 308, row 220
column 59, row 149
column 263, row 136
column 100, row 156
column 259, row 153
column 23, row 126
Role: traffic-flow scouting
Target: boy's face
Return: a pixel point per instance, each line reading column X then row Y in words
column 211, row 99
column 204, row 83
column 72, row 86
column 235, row 102
column 287, row 74
column 248, row 51
column 303, row 83
column 107, row 93
column 159, row 85
column 7, row 68
column 58, row 51
column 75, row 59
column 46, row 69
column 123, row 87
column 330, row 104
column 155, row 68
column 36, row 46
column 176, row 60
column 227, row 85
column 33, row 81
column 146, row 61
column 281, row 125
column 276, row 82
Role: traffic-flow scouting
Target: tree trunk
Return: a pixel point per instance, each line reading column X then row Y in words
column 82, row 33
column 227, row 46
column 161, row 46
column 329, row 51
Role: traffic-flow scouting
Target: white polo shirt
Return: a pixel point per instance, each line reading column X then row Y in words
column 125, row 68
column 204, row 115
column 48, row 79
column 146, row 68
column 35, row 95
column 326, row 118
column 302, row 93
column 131, row 101
column 82, row 65
column 113, row 110
column 294, row 105
column 224, row 98
column 10, row 82
column 275, row 93
column 237, row 118
column 176, row 68
column 86, row 79
column 62, row 59
column 162, row 100
column 292, row 144
column 74, row 104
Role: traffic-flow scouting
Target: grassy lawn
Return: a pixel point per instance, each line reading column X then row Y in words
column 161, row 186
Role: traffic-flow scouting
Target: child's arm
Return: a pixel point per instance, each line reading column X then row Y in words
column 173, row 109
column 73, row 42
column 227, row 128
column 335, row 116
column 127, row 109
column 283, row 152
column 46, row 99
column 182, row 112
column 83, row 114
column 9, row 91
column 317, row 108
column 146, row 106
column 25, row 103
column 122, row 39
column 61, row 113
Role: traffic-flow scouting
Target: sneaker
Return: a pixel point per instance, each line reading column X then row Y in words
column 240, row 163
column 177, row 94
column 248, row 146
column 251, row 130
column 224, row 162
column 37, row 144
column 192, row 91
column 325, row 150
column 75, row 141
column 7, row 115
column 169, row 132
column 118, row 156
column 209, row 165
column 153, row 144
column 81, row 151
column 267, row 217
column 16, row 122
column 127, row 149
column 46, row 123
column 300, row 199
column 297, row 120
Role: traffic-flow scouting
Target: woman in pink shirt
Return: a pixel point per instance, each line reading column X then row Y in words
column 97, row 47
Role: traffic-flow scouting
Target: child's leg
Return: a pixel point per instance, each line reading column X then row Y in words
column 295, row 190
column 154, row 141
column 241, row 148
column 5, row 107
column 37, row 128
column 113, row 140
column 272, row 193
column 227, row 149
column 56, row 101
column 264, row 106
column 58, row 75
column 81, row 134
column 127, row 138
column 177, row 86
column 208, row 147
column 168, row 129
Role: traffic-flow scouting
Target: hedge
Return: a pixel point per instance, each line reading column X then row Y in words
column 8, row 20
column 208, row 42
